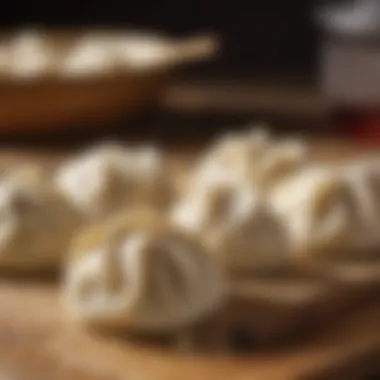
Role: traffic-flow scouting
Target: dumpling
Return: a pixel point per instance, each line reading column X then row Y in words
column 94, row 181
column 37, row 222
column 139, row 51
column 107, row 178
column 251, row 158
column 233, row 155
column 92, row 55
column 31, row 56
column 280, row 161
column 320, row 211
column 142, row 274
column 237, row 224
column 150, row 169
column 364, row 178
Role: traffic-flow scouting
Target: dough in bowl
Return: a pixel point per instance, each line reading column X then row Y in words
column 37, row 222
column 107, row 178
column 139, row 273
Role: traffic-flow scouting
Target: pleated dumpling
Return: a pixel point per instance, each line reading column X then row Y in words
column 92, row 55
column 141, row 274
column 240, row 228
column 31, row 56
column 280, row 161
column 319, row 208
column 110, row 177
column 233, row 155
column 37, row 222
column 364, row 178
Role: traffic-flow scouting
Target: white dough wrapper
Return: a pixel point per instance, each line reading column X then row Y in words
column 37, row 222
column 364, row 178
column 141, row 274
column 321, row 211
column 233, row 155
column 237, row 224
column 108, row 178
column 31, row 56
column 252, row 158
column 92, row 55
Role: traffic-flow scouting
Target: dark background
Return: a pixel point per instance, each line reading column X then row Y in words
column 274, row 36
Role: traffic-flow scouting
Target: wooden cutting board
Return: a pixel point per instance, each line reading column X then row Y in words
column 37, row 342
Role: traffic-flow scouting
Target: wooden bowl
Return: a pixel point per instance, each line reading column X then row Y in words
column 51, row 100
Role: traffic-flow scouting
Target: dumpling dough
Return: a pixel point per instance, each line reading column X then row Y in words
column 234, row 156
column 251, row 158
column 109, row 177
column 142, row 274
column 37, row 222
column 364, row 178
column 139, row 51
column 30, row 56
column 280, row 161
column 92, row 55
column 319, row 208
column 237, row 224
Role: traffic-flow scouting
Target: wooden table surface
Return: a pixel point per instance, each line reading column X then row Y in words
column 36, row 342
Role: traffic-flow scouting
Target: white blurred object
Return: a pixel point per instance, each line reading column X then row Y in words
column 144, row 52
column 30, row 56
column 140, row 51
column 110, row 53
column 92, row 55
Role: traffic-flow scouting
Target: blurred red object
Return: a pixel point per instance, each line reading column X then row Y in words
column 361, row 124
column 369, row 128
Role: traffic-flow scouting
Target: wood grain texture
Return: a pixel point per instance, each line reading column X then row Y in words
column 37, row 342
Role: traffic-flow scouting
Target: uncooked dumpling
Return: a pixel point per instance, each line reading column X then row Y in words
column 234, row 156
column 107, row 178
column 31, row 56
column 280, row 161
column 92, row 55
column 237, row 224
column 319, row 208
column 139, row 51
column 251, row 158
column 364, row 178
column 142, row 274
column 37, row 222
